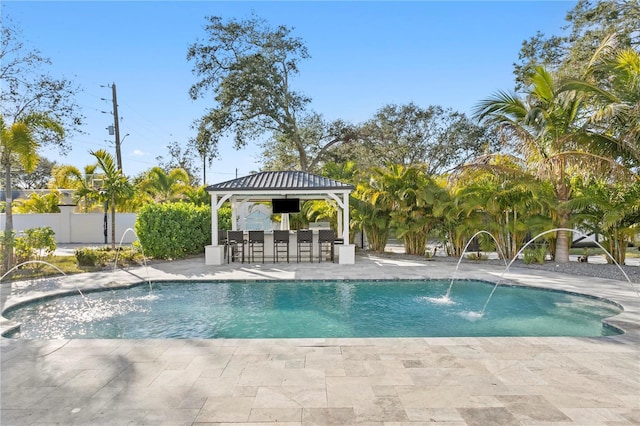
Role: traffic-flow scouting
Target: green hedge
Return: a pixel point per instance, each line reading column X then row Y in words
column 173, row 230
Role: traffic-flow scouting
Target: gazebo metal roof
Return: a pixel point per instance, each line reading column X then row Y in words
column 279, row 181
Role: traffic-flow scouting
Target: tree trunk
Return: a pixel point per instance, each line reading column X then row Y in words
column 113, row 224
column 514, row 234
column 304, row 164
column 618, row 247
column 7, row 261
column 377, row 238
column 562, row 241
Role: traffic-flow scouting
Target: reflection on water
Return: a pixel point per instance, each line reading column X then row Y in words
column 314, row 309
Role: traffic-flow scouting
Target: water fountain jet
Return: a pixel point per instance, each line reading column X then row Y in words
column 540, row 235
column 144, row 258
column 49, row 264
column 446, row 299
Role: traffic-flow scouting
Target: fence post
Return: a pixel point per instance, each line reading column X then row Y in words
column 65, row 223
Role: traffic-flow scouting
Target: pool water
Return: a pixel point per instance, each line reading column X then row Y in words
column 313, row 309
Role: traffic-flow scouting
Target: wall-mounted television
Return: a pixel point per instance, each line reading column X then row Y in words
column 285, row 205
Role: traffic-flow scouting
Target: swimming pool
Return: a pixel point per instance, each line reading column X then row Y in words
column 307, row 309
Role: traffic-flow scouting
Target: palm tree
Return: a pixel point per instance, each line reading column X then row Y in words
column 20, row 145
column 502, row 197
column 47, row 203
column 547, row 129
column 373, row 218
column 453, row 222
column 612, row 84
column 412, row 194
column 163, row 187
column 372, row 206
column 70, row 177
column 610, row 209
column 345, row 171
column 115, row 187
column 198, row 196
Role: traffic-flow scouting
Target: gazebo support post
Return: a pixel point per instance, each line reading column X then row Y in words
column 214, row 253
column 346, row 251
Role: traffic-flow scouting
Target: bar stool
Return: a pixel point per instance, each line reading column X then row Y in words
column 256, row 244
column 235, row 244
column 326, row 239
column 305, row 243
column 222, row 240
column 280, row 242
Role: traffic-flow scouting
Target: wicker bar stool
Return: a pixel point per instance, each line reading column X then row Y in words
column 256, row 244
column 326, row 241
column 304, row 238
column 235, row 246
column 280, row 244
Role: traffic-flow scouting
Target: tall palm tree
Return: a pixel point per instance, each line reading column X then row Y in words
column 20, row 146
column 546, row 127
column 612, row 82
column 114, row 189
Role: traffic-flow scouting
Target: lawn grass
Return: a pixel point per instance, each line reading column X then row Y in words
column 69, row 264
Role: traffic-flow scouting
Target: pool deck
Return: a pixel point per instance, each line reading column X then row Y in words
column 395, row 381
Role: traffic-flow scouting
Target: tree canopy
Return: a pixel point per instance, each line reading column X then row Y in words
column 589, row 23
column 249, row 67
column 27, row 90
column 434, row 137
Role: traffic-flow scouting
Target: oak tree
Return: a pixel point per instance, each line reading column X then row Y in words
column 249, row 68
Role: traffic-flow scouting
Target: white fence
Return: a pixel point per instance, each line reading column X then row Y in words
column 69, row 227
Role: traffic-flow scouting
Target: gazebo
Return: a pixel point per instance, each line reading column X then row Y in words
column 279, row 185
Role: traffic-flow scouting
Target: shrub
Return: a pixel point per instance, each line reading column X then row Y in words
column 36, row 244
column 476, row 256
column 86, row 257
column 224, row 217
column 536, row 254
column 102, row 256
column 173, row 230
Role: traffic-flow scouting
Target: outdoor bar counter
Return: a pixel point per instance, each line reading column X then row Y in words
column 293, row 249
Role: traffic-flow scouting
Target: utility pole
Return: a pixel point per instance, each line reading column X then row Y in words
column 116, row 125
column 204, row 169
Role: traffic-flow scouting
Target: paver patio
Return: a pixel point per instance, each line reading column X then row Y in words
column 452, row 381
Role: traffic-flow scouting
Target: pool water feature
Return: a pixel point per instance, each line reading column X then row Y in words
column 42, row 262
column 313, row 309
column 446, row 299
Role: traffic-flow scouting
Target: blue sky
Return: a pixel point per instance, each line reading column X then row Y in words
column 364, row 55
